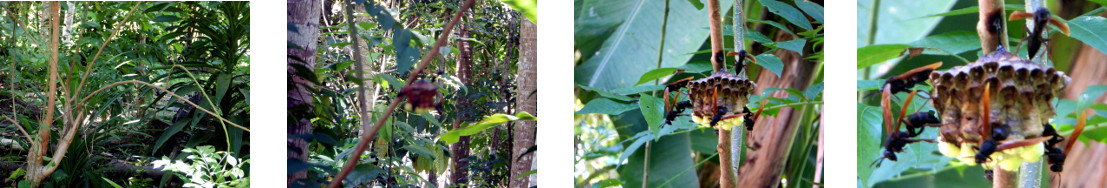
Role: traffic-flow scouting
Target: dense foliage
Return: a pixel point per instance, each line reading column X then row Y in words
column 946, row 31
column 620, row 79
column 150, row 61
column 477, row 91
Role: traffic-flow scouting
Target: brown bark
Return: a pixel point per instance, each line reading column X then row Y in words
column 772, row 136
column 460, row 150
column 304, row 15
column 525, row 101
column 992, row 27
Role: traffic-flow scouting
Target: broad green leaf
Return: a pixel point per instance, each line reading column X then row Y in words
column 528, row 8
column 793, row 45
column 630, row 32
column 813, row 91
column 812, row 9
column 638, row 89
column 868, row 140
column 867, row 85
column 606, row 106
column 422, row 151
column 166, row 18
column 1090, row 94
column 655, row 74
column 1090, row 30
column 669, row 156
column 485, row 123
column 898, row 22
column 788, row 12
column 874, row 54
column 652, row 109
column 772, row 23
column 638, row 142
column 697, row 4
column 607, row 94
column 955, row 42
column 758, row 37
column 770, row 62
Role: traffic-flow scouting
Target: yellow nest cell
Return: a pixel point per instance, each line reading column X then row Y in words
column 720, row 90
column 1019, row 94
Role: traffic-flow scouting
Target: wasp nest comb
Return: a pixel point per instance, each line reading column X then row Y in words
column 721, row 92
column 1019, row 93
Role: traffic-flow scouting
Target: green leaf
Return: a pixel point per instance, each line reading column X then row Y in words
column 812, row 9
column 655, row 74
column 430, row 118
column 641, row 139
column 967, row 10
column 652, row 108
column 638, row 89
column 606, row 106
column 630, row 32
column 867, row 85
column 422, row 151
column 813, row 91
column 772, row 23
column 166, row 18
column 874, row 54
column 669, row 157
column 697, row 4
column 1087, row 98
column 758, row 37
column 868, row 140
column 485, row 123
column 955, row 42
column 788, row 12
column 608, row 94
column 528, row 8
column 793, row 45
column 110, row 182
column 771, row 62
column 1089, row 29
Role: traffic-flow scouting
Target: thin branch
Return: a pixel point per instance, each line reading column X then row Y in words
column 21, row 130
column 368, row 136
column 88, row 67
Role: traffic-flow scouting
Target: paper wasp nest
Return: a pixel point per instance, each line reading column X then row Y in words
column 1020, row 92
column 732, row 93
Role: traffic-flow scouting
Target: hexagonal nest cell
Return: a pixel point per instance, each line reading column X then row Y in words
column 1020, row 92
column 733, row 92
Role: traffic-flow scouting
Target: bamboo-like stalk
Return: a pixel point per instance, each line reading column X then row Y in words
column 718, row 63
column 738, row 135
column 369, row 136
column 358, row 60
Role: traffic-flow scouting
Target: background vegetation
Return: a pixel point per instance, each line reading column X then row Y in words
column 946, row 29
column 621, row 67
column 479, row 75
column 195, row 50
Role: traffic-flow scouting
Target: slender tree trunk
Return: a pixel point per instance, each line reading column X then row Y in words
column 304, row 15
column 526, row 101
column 460, row 150
column 36, row 172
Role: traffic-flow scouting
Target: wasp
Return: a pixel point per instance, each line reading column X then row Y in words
column 1041, row 17
column 742, row 57
column 907, row 80
column 899, row 139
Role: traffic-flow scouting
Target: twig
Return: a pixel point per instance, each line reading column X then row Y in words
column 368, row 136
column 21, row 130
column 88, row 68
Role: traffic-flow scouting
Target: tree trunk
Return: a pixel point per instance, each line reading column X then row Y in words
column 526, row 101
column 460, row 150
column 304, row 15
column 772, row 136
